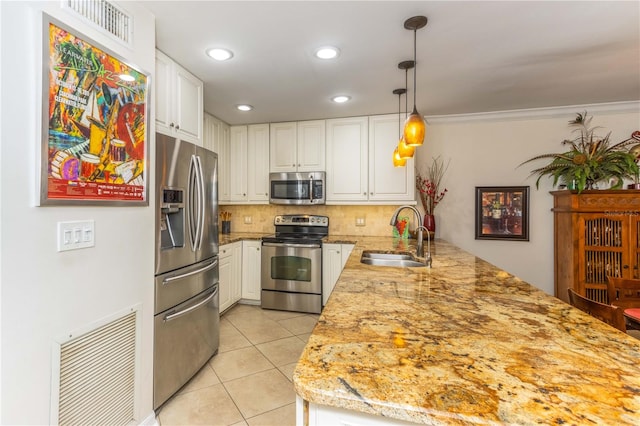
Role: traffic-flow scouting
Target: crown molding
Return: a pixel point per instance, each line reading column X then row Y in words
column 603, row 108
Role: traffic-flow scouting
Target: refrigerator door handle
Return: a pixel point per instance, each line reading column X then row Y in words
column 175, row 315
column 201, row 206
column 192, row 200
column 169, row 280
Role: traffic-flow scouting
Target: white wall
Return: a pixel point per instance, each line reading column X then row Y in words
column 46, row 294
column 485, row 150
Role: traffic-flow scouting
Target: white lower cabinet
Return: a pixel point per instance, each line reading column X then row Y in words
column 322, row 415
column 230, row 262
column 251, row 267
column 334, row 257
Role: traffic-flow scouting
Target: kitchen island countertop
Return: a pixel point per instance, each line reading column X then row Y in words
column 464, row 342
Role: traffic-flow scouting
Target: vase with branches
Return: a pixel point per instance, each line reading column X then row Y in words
column 429, row 186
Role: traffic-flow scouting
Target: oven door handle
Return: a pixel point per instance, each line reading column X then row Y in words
column 291, row 245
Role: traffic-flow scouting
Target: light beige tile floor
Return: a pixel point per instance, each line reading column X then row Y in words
column 249, row 381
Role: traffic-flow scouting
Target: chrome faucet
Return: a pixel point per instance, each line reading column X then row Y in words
column 420, row 246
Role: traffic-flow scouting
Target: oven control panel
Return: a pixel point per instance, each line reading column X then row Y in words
column 301, row 219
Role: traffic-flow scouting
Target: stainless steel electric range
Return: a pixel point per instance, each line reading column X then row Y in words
column 292, row 264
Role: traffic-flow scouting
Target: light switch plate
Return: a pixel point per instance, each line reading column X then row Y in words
column 76, row 235
column 360, row 221
column 248, row 220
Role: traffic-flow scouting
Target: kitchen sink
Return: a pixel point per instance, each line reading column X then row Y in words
column 385, row 258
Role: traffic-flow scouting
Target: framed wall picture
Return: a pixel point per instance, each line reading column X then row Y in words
column 502, row 213
column 94, row 123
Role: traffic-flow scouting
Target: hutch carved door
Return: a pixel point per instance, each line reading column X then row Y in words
column 597, row 234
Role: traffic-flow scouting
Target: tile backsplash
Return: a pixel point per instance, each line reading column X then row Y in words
column 342, row 219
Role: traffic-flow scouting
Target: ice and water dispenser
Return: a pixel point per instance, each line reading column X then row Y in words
column 172, row 218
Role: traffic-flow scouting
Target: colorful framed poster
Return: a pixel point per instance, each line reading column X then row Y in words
column 502, row 213
column 95, row 121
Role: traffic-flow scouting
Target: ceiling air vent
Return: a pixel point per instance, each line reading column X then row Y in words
column 105, row 15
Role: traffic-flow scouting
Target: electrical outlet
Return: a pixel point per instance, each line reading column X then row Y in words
column 360, row 221
column 248, row 220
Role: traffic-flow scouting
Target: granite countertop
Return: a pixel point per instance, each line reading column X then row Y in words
column 239, row 236
column 464, row 342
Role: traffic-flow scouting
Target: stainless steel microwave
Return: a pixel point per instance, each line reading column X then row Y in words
column 305, row 188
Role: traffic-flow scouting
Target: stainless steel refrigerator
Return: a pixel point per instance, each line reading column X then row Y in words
column 187, row 314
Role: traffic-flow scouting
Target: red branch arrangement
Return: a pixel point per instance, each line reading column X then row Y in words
column 428, row 185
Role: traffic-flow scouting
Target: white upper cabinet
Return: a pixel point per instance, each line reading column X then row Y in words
column 179, row 101
column 297, row 146
column 359, row 164
column 238, row 163
column 258, row 162
column 347, row 168
column 386, row 182
column 216, row 139
column 249, row 164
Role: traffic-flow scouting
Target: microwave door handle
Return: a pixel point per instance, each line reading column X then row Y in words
column 169, row 280
column 311, row 188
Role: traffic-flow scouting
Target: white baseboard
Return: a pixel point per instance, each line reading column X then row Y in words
column 150, row 420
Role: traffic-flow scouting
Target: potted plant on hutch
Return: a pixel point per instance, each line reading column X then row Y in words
column 428, row 186
column 590, row 159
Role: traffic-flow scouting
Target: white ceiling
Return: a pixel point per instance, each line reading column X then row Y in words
column 473, row 56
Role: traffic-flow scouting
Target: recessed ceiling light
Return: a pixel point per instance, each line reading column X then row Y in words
column 327, row 52
column 340, row 99
column 220, row 54
column 126, row 77
column 244, row 107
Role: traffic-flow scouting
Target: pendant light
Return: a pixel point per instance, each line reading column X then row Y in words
column 414, row 126
column 398, row 160
column 404, row 150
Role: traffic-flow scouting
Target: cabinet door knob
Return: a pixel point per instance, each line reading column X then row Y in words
column 338, row 251
column 298, row 165
column 293, row 165
column 177, row 126
column 625, row 266
column 364, row 193
column 371, row 193
column 171, row 125
column 244, row 195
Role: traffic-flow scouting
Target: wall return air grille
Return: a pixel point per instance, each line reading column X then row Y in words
column 97, row 375
column 105, row 15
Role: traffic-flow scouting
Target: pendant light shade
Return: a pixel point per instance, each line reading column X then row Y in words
column 404, row 150
column 397, row 161
column 414, row 129
column 414, row 126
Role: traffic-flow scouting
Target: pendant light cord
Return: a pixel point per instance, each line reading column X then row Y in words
column 415, row 68
column 406, row 87
column 399, row 117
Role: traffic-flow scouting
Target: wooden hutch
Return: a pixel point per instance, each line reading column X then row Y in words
column 596, row 234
